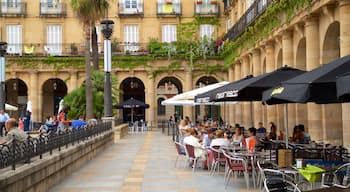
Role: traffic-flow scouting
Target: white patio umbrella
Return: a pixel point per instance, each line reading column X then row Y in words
column 9, row 107
column 187, row 98
column 61, row 106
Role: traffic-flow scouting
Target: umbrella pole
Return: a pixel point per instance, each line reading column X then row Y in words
column 286, row 123
column 251, row 114
column 132, row 115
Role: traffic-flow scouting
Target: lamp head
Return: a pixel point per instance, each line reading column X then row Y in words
column 107, row 28
column 3, row 48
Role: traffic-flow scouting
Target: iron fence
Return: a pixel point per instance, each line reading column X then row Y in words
column 168, row 9
column 13, row 8
column 15, row 152
column 53, row 9
column 252, row 13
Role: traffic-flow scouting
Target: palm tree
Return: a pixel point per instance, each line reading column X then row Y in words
column 89, row 11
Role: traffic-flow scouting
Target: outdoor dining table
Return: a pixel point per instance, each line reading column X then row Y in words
column 252, row 157
column 330, row 189
column 311, row 173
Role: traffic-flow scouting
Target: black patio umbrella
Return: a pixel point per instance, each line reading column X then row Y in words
column 318, row 85
column 252, row 89
column 210, row 96
column 343, row 87
column 131, row 104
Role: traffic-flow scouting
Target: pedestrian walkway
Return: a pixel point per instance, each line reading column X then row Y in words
column 143, row 162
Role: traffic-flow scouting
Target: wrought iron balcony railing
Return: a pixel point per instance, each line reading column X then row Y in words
column 126, row 9
column 13, row 9
column 53, row 9
column 169, row 9
column 207, row 8
column 253, row 12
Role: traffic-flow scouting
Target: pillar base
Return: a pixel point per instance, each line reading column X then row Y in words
column 108, row 119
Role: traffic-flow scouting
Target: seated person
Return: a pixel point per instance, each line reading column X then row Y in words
column 193, row 140
column 273, row 132
column 238, row 138
column 78, row 123
column 251, row 141
column 49, row 124
column 261, row 131
column 13, row 132
column 302, row 137
column 207, row 138
column 219, row 139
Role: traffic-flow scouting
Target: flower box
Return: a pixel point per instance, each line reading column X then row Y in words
column 213, row 2
column 169, row 2
column 199, row 2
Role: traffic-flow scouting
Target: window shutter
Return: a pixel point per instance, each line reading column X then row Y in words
column 54, row 39
column 14, row 39
column 206, row 31
column 131, row 37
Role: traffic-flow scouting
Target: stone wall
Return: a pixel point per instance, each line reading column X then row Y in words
column 120, row 131
column 42, row 174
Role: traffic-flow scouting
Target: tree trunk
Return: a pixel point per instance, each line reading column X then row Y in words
column 94, row 44
column 88, row 82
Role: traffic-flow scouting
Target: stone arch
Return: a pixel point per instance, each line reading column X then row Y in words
column 279, row 61
column 331, row 43
column 332, row 114
column 300, row 56
column 17, row 95
column 132, row 87
column 53, row 91
column 210, row 111
column 300, row 63
column 168, row 87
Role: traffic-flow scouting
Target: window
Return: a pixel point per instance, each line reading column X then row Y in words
column 98, row 32
column 228, row 24
column 14, row 39
column 130, row 4
column 161, row 108
column 249, row 3
column 131, row 37
column 168, row 33
column 53, row 40
column 206, row 31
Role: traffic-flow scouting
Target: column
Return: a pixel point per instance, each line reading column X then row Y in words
column 287, row 59
column 231, row 108
column 258, row 115
column 344, row 19
column 270, row 66
column 73, row 84
column 247, row 121
column 150, row 99
column 238, row 106
column 34, row 97
column 188, row 110
column 314, row 113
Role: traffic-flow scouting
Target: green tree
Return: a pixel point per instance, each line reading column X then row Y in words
column 76, row 99
column 89, row 12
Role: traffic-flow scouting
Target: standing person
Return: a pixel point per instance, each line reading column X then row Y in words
column 26, row 121
column 176, row 116
column 273, row 132
column 21, row 124
column 3, row 118
column 61, row 120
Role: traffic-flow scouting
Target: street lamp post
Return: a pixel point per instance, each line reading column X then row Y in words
column 107, row 30
column 3, row 47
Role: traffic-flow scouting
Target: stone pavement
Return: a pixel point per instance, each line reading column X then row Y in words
column 143, row 162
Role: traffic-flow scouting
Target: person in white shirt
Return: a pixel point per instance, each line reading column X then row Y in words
column 219, row 140
column 192, row 139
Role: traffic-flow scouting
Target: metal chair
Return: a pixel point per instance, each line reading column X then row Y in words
column 190, row 156
column 180, row 152
column 235, row 165
column 264, row 164
column 339, row 178
column 218, row 157
column 280, row 185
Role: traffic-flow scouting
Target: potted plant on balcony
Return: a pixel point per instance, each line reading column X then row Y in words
column 213, row 2
column 199, row 2
column 169, row 2
column 74, row 49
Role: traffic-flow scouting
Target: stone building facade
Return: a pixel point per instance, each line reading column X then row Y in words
column 306, row 39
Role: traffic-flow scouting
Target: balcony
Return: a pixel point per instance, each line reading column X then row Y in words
column 168, row 9
column 253, row 12
column 12, row 9
column 130, row 9
column 209, row 8
column 53, row 9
